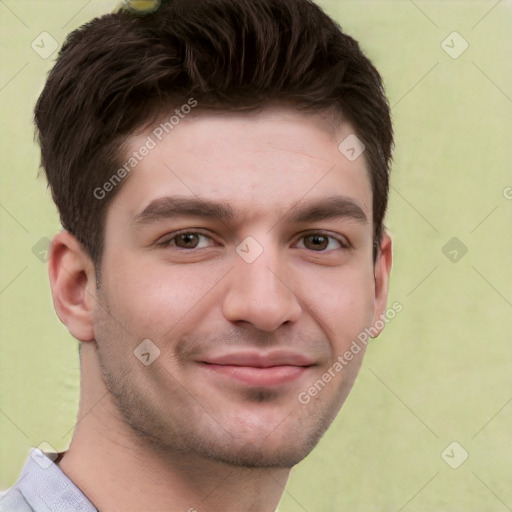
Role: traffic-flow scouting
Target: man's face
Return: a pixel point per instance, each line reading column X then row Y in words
column 241, row 246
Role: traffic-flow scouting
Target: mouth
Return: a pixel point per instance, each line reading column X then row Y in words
column 257, row 369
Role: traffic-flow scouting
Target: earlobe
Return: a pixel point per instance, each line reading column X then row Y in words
column 381, row 277
column 73, row 283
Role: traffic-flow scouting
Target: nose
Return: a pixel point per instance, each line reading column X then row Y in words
column 260, row 293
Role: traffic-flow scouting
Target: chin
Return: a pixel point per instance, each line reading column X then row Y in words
column 284, row 446
column 258, row 456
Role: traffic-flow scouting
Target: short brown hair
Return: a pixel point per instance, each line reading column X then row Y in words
column 119, row 72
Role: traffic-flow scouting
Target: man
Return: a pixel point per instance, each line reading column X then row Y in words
column 221, row 173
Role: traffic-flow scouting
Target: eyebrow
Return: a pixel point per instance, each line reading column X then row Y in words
column 312, row 210
column 173, row 206
column 331, row 207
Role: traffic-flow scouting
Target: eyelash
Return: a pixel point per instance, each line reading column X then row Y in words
column 167, row 242
column 342, row 241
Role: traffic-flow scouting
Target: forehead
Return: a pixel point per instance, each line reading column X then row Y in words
column 259, row 162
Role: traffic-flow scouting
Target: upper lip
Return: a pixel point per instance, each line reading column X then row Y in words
column 260, row 359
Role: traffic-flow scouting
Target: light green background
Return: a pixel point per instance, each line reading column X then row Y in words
column 441, row 372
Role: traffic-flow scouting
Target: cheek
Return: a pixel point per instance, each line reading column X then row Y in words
column 149, row 297
column 345, row 303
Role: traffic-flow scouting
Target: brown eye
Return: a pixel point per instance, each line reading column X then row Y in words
column 316, row 242
column 319, row 242
column 187, row 240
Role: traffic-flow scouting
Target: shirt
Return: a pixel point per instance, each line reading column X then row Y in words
column 43, row 487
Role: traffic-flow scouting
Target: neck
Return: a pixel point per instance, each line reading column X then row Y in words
column 118, row 470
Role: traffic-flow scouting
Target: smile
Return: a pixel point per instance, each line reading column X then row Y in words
column 257, row 375
column 259, row 369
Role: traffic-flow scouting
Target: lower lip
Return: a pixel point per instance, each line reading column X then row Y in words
column 255, row 376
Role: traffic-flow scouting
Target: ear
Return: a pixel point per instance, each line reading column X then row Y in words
column 381, row 276
column 73, row 283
